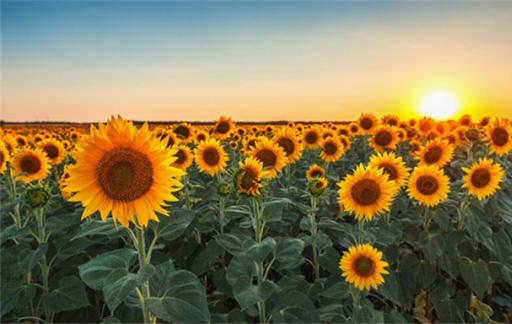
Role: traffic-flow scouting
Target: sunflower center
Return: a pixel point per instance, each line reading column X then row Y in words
column 365, row 192
column 182, row 131
column 30, row 164
column 427, row 184
column 433, row 154
column 287, row 145
column 366, row 123
column 181, row 157
column 51, row 151
column 211, row 156
column 201, row 137
column 223, row 127
column 480, row 178
column 311, row 137
column 317, row 173
column 364, row 266
column 383, row 138
column 267, row 157
column 389, row 169
column 20, row 141
column 124, row 174
column 248, row 179
column 330, row 148
column 499, row 136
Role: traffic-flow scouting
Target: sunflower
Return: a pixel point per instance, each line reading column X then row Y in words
column 249, row 142
column 311, row 137
column 384, row 137
column 483, row 178
column 170, row 138
column 248, row 177
column 287, row 140
column 367, row 122
column 332, row 149
column 21, row 141
column 363, row 267
column 30, row 165
column 125, row 171
column 499, row 137
column 54, row 150
column 436, row 152
column 425, row 125
column 5, row 156
column 75, row 136
column 223, row 127
column 184, row 157
column 66, row 194
column 367, row 192
column 315, row 171
column 271, row 155
column 10, row 143
column 183, row 131
column 200, row 136
column 317, row 186
column 392, row 165
column 391, row 120
column 210, row 156
column 354, row 128
column 428, row 185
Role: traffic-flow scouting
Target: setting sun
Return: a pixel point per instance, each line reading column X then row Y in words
column 440, row 104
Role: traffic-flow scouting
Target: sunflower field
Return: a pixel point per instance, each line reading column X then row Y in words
column 375, row 220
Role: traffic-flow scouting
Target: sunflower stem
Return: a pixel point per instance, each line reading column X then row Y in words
column 314, row 235
column 360, row 231
column 140, row 245
column 258, row 226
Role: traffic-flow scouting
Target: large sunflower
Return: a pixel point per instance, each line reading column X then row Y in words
column 30, row 165
column 125, row 171
column 391, row 164
column 287, row 140
column 315, row 171
column 210, row 156
column 384, row 137
column 436, row 153
column 248, row 177
column 54, row 150
column 428, row 185
column 367, row 122
column 4, row 158
column 223, row 127
column 499, row 137
column 332, row 149
column 483, row 178
column 363, row 267
column 367, row 192
column 184, row 157
column 271, row 155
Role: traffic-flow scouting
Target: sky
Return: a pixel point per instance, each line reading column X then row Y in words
column 254, row 61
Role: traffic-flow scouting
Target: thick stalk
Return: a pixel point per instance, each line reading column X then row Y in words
column 258, row 225
column 143, row 260
column 314, row 235
column 222, row 213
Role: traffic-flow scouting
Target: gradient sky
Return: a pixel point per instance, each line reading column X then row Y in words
column 84, row 61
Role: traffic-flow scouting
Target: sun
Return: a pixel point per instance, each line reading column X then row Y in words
column 439, row 104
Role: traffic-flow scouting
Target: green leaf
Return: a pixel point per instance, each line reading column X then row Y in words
column 448, row 311
column 111, row 320
column 96, row 227
column 476, row 275
column 273, row 211
column 95, row 271
column 239, row 266
column 259, row 252
column 338, row 290
column 172, row 227
column 119, row 284
column 288, row 253
column 247, row 294
column 27, row 259
column 230, row 242
column 11, row 232
column 14, row 296
column 185, row 301
column 69, row 296
column 433, row 245
column 295, row 307
column 207, row 258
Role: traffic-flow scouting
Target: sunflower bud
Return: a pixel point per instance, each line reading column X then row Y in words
column 223, row 189
column 37, row 196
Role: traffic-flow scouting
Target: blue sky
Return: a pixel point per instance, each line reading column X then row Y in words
column 198, row 60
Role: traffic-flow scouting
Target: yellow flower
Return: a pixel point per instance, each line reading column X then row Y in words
column 499, row 137
column 54, row 150
column 183, row 157
column 367, row 122
column 436, row 153
column 5, row 156
column 271, row 155
column 384, row 137
column 287, row 140
column 428, row 185
column 392, row 165
column 315, row 171
column 367, row 192
column 223, row 127
column 311, row 137
column 248, row 178
column 125, row 171
column 483, row 178
column 211, row 157
column 30, row 165
column 363, row 267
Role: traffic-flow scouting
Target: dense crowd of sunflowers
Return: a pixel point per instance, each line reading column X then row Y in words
column 371, row 170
